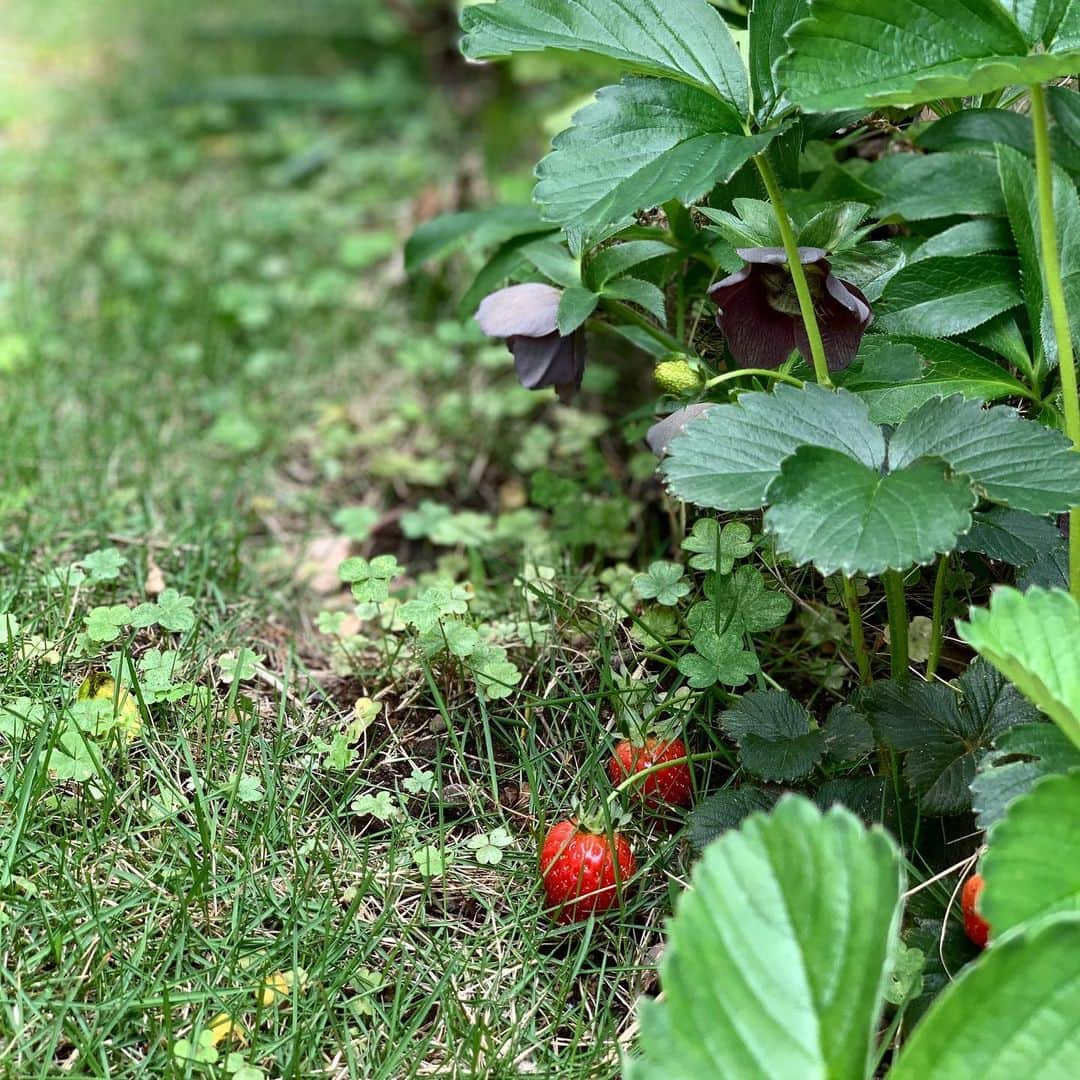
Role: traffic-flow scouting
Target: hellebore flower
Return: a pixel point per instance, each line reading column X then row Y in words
column 759, row 312
column 526, row 316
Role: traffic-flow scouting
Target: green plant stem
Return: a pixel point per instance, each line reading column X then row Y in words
column 795, row 268
column 640, row 777
column 898, row 623
column 1059, row 312
column 763, row 373
column 937, row 628
column 628, row 314
column 858, row 638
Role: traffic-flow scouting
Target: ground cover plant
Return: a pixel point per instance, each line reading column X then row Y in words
column 612, row 622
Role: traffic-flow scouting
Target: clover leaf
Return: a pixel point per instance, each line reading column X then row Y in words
column 370, row 580
column 102, row 565
column 717, row 658
column 432, row 861
column 662, row 583
column 202, row 1052
column 488, row 846
column 718, row 548
column 175, row 611
column 105, row 623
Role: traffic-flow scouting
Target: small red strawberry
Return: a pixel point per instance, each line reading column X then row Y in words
column 666, row 787
column 975, row 926
column 583, row 870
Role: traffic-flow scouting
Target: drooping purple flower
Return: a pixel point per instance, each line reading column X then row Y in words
column 759, row 312
column 527, row 317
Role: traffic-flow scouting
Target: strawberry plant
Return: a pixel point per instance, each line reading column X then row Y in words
column 845, row 243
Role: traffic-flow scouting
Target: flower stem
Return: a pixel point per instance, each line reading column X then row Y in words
column 763, row 373
column 937, row 629
column 1055, row 295
column 858, row 639
column 795, row 268
column 640, row 777
column 898, row 624
column 628, row 314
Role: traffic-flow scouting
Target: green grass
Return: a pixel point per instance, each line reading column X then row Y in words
column 205, row 351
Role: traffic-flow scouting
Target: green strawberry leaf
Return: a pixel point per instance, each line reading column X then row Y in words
column 943, row 731
column 851, row 54
column 840, row 515
column 1015, row 462
column 774, row 736
column 1011, row 536
column 727, row 459
column 1023, row 993
column 638, row 145
column 1032, row 868
column 1021, row 635
column 723, row 810
column 688, row 41
column 1021, row 757
column 760, row 983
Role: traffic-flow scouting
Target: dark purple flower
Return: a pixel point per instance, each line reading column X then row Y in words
column 659, row 436
column 759, row 312
column 527, row 317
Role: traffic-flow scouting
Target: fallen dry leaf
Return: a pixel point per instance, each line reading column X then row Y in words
column 320, row 561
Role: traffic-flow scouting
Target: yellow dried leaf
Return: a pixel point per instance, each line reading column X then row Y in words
column 223, row 1027
column 278, row 987
column 101, row 687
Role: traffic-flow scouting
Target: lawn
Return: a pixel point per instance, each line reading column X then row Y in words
column 214, row 387
column 502, row 581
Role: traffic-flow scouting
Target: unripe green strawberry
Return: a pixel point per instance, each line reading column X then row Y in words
column 676, row 377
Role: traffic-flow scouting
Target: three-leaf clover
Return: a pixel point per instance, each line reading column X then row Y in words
column 238, row 666
column 105, row 623
column 442, row 599
column 356, row 522
column 718, row 548
column 662, row 583
column 175, row 611
column 382, row 806
column 248, row 788
column 103, row 565
column 432, row 861
column 488, row 846
column 717, row 658
column 370, row 579
column 420, row 781
column 740, row 603
column 202, row 1051
column 495, row 674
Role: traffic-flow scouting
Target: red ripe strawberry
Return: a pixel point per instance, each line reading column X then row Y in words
column 975, row 926
column 583, row 871
column 666, row 787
